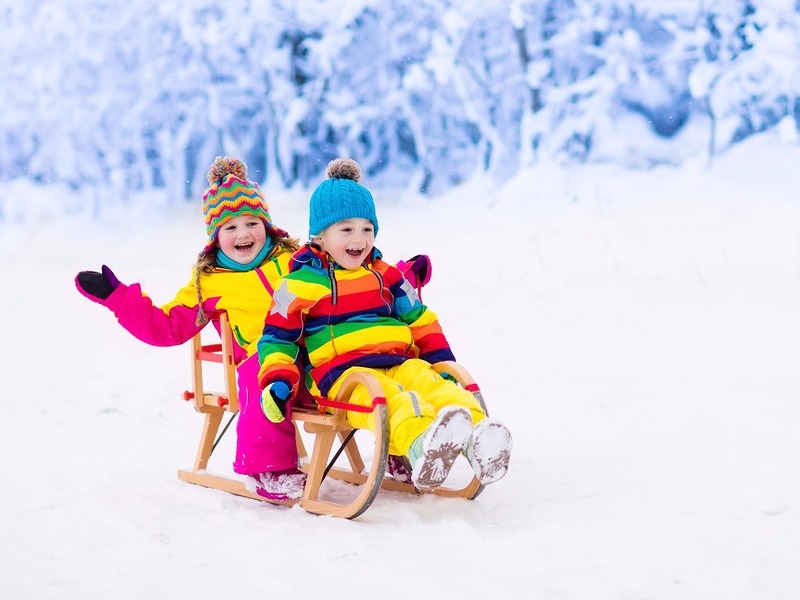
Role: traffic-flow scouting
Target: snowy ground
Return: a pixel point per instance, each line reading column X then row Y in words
column 638, row 332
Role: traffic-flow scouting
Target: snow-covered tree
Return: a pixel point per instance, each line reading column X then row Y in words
column 132, row 96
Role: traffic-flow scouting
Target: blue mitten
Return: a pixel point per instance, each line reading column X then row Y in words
column 274, row 399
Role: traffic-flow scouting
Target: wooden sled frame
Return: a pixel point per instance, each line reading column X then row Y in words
column 327, row 424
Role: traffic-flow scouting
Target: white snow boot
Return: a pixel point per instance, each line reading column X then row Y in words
column 489, row 450
column 433, row 453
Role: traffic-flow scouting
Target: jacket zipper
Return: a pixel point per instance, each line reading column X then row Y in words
column 334, row 290
column 334, row 300
column 380, row 290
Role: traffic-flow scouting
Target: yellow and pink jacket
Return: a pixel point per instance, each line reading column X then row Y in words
column 243, row 295
column 339, row 318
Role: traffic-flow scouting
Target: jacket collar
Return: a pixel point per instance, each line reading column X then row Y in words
column 314, row 257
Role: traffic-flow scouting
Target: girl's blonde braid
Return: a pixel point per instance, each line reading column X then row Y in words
column 202, row 318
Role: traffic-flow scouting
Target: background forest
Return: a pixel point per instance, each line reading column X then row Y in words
column 129, row 97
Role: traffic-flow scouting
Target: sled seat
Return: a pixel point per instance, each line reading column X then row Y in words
column 324, row 420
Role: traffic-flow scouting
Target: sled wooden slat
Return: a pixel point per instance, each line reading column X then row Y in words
column 226, row 484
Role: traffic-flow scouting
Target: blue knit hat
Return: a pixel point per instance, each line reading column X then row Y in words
column 340, row 197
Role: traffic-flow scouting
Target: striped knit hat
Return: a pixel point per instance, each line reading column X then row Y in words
column 232, row 195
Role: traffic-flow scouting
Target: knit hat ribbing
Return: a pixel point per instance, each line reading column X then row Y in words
column 231, row 195
column 340, row 197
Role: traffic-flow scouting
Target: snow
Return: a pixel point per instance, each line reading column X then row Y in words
column 637, row 332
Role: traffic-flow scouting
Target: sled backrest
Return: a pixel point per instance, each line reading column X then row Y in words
column 222, row 353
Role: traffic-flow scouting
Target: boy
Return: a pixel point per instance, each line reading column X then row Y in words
column 349, row 310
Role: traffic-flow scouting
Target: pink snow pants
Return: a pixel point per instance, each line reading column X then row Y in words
column 261, row 445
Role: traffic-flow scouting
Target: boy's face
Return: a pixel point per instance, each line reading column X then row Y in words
column 242, row 238
column 349, row 242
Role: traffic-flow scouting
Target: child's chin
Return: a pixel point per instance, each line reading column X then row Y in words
column 244, row 258
column 351, row 263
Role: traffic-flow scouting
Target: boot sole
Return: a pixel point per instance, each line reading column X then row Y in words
column 449, row 435
column 490, row 451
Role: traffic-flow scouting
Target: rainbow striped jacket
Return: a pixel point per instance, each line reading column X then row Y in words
column 340, row 318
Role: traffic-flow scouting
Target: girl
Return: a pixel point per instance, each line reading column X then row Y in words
column 235, row 273
column 351, row 311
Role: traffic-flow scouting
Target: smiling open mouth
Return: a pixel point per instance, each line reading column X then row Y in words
column 243, row 247
column 354, row 253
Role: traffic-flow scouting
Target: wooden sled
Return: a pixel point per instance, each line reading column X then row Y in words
column 326, row 422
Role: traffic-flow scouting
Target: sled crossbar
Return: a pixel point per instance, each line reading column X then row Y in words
column 326, row 403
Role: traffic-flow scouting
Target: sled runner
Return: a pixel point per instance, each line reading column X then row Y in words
column 325, row 421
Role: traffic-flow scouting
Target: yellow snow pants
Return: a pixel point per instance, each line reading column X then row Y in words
column 414, row 395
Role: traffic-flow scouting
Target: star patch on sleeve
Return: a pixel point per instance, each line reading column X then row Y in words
column 409, row 291
column 282, row 300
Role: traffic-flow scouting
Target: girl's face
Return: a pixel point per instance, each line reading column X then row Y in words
column 349, row 241
column 242, row 238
